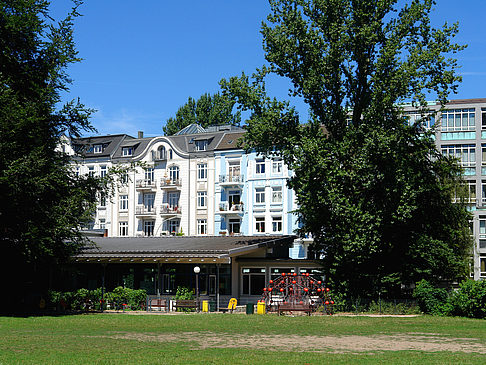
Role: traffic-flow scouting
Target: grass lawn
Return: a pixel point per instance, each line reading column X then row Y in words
column 240, row 339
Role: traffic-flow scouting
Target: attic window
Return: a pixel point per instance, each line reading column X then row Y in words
column 230, row 141
column 201, row 145
column 127, row 151
column 98, row 148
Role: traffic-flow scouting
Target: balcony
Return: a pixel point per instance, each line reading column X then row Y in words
column 167, row 210
column 231, row 180
column 160, row 155
column 144, row 184
column 168, row 184
column 225, row 208
column 145, row 211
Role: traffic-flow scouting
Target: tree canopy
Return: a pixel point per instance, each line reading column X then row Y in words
column 208, row 110
column 371, row 188
column 42, row 202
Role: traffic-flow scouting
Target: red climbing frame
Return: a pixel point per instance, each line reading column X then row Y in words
column 297, row 292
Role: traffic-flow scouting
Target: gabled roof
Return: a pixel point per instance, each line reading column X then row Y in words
column 84, row 146
column 229, row 141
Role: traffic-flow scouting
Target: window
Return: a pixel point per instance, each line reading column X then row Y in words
column 102, row 223
column 148, row 228
column 98, row 148
column 471, row 198
column 234, row 226
column 161, row 153
column 233, row 169
column 123, row 202
column 259, row 195
column 123, row 228
column 127, row 151
column 260, row 224
column 102, row 199
column 277, row 166
column 149, row 175
column 426, row 121
column 277, row 272
column 202, row 171
column 277, row 224
column 91, row 171
column 173, row 199
column 148, row 202
column 483, row 192
column 466, row 155
column 201, row 145
column 458, row 119
column 124, row 178
column 276, row 194
column 260, row 166
column 483, row 118
column 103, row 171
column 173, row 226
column 482, row 264
column 253, row 281
column 174, row 173
column 202, row 226
column 202, row 197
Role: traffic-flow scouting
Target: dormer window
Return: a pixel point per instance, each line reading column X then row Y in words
column 127, row 151
column 98, row 148
column 201, row 145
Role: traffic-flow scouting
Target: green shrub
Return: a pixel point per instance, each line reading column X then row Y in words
column 469, row 300
column 431, row 300
column 183, row 293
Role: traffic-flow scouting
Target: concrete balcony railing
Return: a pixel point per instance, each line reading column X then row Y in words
column 166, row 209
column 166, row 183
column 143, row 210
column 143, row 184
column 231, row 180
column 225, row 208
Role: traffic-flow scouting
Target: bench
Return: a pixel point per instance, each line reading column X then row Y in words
column 289, row 307
column 189, row 304
column 157, row 303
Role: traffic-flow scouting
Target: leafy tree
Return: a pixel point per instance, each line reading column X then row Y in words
column 373, row 190
column 42, row 203
column 207, row 110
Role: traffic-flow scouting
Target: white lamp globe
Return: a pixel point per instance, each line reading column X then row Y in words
column 197, row 270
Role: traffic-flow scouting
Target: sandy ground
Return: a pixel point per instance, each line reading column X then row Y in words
column 427, row 342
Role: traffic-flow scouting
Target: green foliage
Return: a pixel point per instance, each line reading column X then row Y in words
column 84, row 299
column 373, row 190
column 183, row 293
column 430, row 299
column 207, row 110
column 469, row 300
column 43, row 203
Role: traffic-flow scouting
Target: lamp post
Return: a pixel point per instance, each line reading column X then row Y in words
column 197, row 270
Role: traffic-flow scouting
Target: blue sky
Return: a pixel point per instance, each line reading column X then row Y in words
column 142, row 60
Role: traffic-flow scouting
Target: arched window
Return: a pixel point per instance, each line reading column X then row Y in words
column 174, row 173
column 161, row 153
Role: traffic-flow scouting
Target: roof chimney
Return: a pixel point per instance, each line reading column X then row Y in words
column 140, row 134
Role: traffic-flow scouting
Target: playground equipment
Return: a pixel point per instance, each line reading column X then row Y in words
column 297, row 292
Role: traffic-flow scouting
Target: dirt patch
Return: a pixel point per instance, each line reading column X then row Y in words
column 427, row 342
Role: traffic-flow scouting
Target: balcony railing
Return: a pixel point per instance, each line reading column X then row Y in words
column 231, row 179
column 225, row 207
column 145, row 184
column 167, row 209
column 159, row 155
column 170, row 183
column 145, row 210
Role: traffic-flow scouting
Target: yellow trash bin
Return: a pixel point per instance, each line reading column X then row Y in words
column 205, row 306
column 261, row 309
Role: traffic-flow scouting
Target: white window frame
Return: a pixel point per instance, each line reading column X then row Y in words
column 123, row 229
column 259, row 195
column 458, row 120
column 277, row 166
column 277, row 194
column 103, row 171
column 260, row 166
column 127, row 151
column 201, row 145
column 202, row 171
column 148, row 228
column 202, row 199
column 260, row 224
column 123, row 201
column 97, row 148
column 277, row 224
column 174, row 173
column 202, row 227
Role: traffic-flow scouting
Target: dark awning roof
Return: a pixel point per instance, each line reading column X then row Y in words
column 176, row 249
